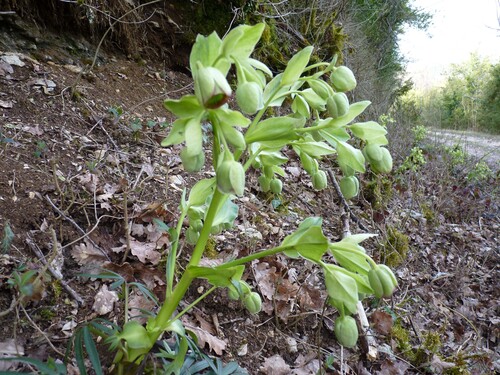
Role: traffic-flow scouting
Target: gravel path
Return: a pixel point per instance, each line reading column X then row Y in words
column 480, row 145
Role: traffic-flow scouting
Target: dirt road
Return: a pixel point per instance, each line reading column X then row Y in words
column 479, row 145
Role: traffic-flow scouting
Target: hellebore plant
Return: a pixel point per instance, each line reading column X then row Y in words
column 320, row 123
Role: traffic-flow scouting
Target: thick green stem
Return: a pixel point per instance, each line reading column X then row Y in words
column 172, row 259
column 163, row 318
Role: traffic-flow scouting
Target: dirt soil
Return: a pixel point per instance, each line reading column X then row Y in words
column 80, row 158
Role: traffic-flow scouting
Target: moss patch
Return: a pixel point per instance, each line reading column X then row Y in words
column 394, row 250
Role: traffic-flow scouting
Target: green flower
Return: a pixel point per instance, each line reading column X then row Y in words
column 211, row 87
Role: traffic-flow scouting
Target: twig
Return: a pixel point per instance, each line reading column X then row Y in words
column 367, row 338
column 41, row 332
column 34, row 247
column 344, row 202
column 126, row 225
column 76, row 226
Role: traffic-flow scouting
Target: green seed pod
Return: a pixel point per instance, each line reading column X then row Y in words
column 310, row 165
column 389, row 272
column 321, row 88
column 231, row 178
column 346, row 331
column 387, row 279
column 197, row 224
column 375, row 284
column 265, row 183
column 192, row 236
column 349, row 186
column 385, row 164
column 342, row 79
column 211, row 87
column 192, row 163
column 249, row 97
column 269, row 172
column 276, row 186
column 252, row 302
column 216, row 229
column 373, row 153
column 195, row 213
column 382, row 281
column 232, row 293
column 337, row 104
column 319, row 180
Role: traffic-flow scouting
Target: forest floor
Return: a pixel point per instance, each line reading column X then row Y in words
column 80, row 153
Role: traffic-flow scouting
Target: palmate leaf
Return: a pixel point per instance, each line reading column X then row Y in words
column 206, row 49
column 368, row 131
column 240, row 42
column 341, row 287
column 350, row 156
column 308, row 241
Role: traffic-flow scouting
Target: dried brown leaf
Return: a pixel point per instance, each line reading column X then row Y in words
column 86, row 253
column 204, row 337
column 104, row 300
column 275, row 365
column 382, row 322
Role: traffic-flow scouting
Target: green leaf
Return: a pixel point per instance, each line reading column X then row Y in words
column 260, row 66
column 274, row 90
column 341, row 287
column 194, row 137
column 358, row 238
column 206, row 50
column 92, row 350
column 187, row 106
column 361, row 281
column 177, row 134
column 367, row 130
column 226, row 214
column 352, row 260
column 308, row 241
column 230, row 117
column 354, row 111
column 333, row 136
column 275, row 128
column 296, row 66
column 313, row 149
column 8, row 237
column 241, row 41
column 314, row 100
column 44, row 368
column 201, row 191
column 350, row 156
column 272, row 158
column 217, row 276
column 300, row 105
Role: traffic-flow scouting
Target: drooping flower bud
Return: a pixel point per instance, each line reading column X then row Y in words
column 276, row 186
column 192, row 163
column 349, row 186
column 249, row 97
column 342, row 79
column 346, row 331
column 252, row 302
column 337, row 104
column 211, row 87
column 319, row 180
column 231, row 177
